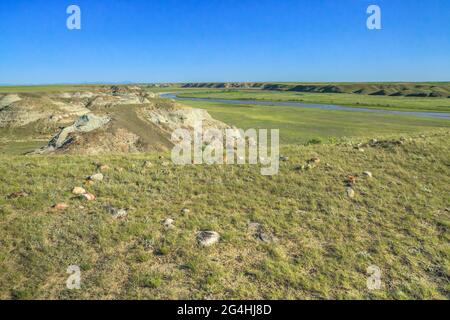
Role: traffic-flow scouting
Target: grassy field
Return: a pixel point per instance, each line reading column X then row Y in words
column 323, row 245
column 300, row 125
column 320, row 241
column 297, row 125
column 352, row 100
column 45, row 88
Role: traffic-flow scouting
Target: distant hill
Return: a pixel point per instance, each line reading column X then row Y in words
column 426, row 89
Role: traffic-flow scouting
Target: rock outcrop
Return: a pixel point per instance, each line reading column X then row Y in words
column 110, row 120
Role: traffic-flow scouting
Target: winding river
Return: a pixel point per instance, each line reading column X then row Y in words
column 439, row 115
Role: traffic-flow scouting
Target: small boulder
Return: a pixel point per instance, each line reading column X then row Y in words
column 88, row 196
column 168, row 223
column 96, row 177
column 185, row 211
column 368, row 174
column 207, row 238
column 315, row 160
column 116, row 212
column 351, row 179
column 78, row 190
column 265, row 237
column 350, row 192
column 60, row 206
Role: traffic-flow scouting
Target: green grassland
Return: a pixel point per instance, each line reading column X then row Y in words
column 297, row 125
column 325, row 241
column 300, row 125
column 352, row 100
column 45, row 88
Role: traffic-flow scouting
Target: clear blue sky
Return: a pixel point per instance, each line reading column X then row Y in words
column 223, row 40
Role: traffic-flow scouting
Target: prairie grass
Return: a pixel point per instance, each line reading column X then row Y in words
column 398, row 221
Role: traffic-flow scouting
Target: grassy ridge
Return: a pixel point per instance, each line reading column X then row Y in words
column 399, row 221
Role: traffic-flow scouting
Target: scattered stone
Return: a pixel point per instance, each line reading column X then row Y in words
column 116, row 212
column 207, row 238
column 168, row 223
column 88, row 196
column 96, row 177
column 350, row 192
column 351, row 179
column 185, row 211
column 386, row 143
column 315, row 160
column 367, row 174
column 265, row 237
column 78, row 190
column 18, row 194
column 147, row 164
column 284, row 158
column 60, row 206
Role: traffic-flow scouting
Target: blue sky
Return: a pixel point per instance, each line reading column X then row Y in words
column 223, row 40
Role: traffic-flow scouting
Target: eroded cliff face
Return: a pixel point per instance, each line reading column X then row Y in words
column 105, row 120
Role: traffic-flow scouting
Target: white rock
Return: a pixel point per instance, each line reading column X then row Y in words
column 96, row 177
column 168, row 223
column 78, row 190
column 367, row 174
column 207, row 238
column 350, row 192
